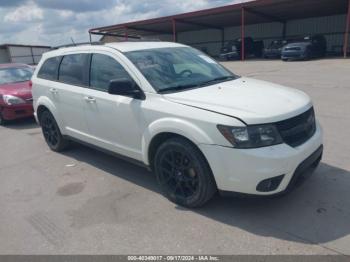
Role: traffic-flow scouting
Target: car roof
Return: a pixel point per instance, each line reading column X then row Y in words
column 120, row 46
column 135, row 46
column 13, row 65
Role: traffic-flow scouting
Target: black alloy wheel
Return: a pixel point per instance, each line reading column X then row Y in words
column 51, row 132
column 183, row 173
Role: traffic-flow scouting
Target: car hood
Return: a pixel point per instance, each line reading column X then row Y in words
column 252, row 101
column 20, row 89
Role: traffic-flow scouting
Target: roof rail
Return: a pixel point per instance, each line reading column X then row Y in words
column 78, row 44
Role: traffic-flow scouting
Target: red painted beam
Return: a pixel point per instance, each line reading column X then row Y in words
column 242, row 34
column 346, row 35
column 174, row 29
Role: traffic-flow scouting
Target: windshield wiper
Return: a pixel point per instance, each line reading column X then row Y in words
column 184, row 87
column 177, row 88
column 217, row 80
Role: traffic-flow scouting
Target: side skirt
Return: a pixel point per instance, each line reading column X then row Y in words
column 108, row 152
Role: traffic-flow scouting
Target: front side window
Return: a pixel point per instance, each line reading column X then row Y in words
column 49, row 68
column 104, row 69
column 72, row 69
column 178, row 68
column 15, row 75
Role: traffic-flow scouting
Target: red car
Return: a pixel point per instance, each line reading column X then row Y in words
column 15, row 92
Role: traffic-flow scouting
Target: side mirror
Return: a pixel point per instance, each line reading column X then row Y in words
column 125, row 87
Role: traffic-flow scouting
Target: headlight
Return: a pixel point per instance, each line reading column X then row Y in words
column 251, row 136
column 13, row 100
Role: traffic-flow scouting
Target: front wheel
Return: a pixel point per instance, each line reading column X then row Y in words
column 52, row 133
column 2, row 120
column 183, row 173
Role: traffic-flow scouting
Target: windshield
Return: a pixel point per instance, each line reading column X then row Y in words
column 15, row 74
column 178, row 68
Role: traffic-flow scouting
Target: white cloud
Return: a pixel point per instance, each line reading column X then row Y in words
column 25, row 13
column 54, row 22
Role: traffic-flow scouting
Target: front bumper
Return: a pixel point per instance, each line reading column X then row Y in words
column 242, row 170
column 17, row 111
column 293, row 55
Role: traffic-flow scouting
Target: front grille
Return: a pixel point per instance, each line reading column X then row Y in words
column 292, row 49
column 297, row 130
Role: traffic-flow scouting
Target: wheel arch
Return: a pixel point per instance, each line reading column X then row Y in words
column 43, row 104
column 164, row 129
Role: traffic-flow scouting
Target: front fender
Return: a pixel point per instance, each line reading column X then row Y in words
column 176, row 126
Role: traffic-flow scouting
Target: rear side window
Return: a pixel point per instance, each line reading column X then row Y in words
column 72, row 69
column 49, row 68
column 104, row 69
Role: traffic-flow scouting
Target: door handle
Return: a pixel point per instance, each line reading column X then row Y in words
column 90, row 99
column 53, row 90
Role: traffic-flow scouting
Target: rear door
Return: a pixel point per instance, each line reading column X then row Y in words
column 68, row 93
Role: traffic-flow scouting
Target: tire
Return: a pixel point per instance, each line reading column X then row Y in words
column 2, row 120
column 183, row 173
column 52, row 133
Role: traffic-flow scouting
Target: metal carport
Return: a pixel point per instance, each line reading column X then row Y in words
column 242, row 14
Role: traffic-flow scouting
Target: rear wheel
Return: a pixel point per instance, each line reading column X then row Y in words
column 52, row 133
column 183, row 173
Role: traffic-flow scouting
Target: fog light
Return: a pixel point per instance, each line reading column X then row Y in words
column 269, row 184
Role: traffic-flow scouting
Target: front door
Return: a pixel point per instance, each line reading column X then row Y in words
column 114, row 122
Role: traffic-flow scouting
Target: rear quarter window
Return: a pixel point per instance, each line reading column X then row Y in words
column 49, row 69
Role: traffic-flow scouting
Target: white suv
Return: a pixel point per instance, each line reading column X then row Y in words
column 200, row 128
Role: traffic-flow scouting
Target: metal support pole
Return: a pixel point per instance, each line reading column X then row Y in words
column 126, row 34
column 174, row 30
column 284, row 30
column 32, row 54
column 90, row 37
column 242, row 34
column 346, row 34
column 222, row 37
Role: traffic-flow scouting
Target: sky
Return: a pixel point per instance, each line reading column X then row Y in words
column 54, row 22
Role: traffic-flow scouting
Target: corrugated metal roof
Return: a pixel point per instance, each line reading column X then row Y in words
column 259, row 11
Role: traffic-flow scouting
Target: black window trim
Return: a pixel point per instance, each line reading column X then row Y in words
column 57, row 69
column 86, row 66
column 87, row 72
